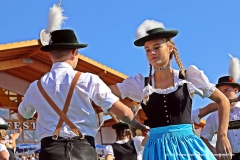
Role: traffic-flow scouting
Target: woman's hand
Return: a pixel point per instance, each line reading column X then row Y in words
column 223, row 148
column 15, row 135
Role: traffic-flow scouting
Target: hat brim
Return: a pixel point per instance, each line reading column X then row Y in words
column 162, row 34
column 119, row 125
column 4, row 126
column 230, row 84
column 48, row 48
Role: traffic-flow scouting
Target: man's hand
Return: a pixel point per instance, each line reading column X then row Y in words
column 223, row 148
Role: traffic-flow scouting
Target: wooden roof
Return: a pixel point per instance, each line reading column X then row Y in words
column 25, row 61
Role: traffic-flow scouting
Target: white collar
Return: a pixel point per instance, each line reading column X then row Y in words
column 237, row 105
column 122, row 141
column 61, row 65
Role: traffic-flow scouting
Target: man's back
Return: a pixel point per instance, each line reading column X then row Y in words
column 57, row 83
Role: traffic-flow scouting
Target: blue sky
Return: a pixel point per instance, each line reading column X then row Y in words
column 208, row 30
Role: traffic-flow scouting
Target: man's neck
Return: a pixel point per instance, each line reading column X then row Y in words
column 67, row 61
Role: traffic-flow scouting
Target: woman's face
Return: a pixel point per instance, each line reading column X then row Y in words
column 158, row 52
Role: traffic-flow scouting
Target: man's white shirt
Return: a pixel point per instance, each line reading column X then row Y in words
column 233, row 134
column 81, row 112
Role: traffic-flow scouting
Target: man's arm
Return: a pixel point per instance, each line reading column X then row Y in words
column 126, row 115
column 108, row 157
column 208, row 109
column 20, row 117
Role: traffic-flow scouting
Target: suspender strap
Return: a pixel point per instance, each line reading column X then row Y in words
column 66, row 105
column 62, row 115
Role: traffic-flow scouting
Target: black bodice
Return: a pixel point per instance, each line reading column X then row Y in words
column 124, row 151
column 169, row 109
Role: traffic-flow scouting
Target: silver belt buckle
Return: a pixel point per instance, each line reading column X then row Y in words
column 81, row 137
column 55, row 137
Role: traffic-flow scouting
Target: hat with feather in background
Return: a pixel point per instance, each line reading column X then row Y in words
column 53, row 37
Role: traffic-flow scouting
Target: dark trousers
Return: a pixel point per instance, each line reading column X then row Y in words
column 68, row 149
column 236, row 156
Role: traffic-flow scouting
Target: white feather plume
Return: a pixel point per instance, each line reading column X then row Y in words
column 234, row 68
column 2, row 121
column 146, row 26
column 55, row 19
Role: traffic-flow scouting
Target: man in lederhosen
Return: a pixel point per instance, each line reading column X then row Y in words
column 230, row 88
column 76, row 141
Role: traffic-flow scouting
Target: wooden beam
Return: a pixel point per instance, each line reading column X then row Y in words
column 102, row 73
column 40, row 66
column 31, row 53
column 19, row 45
column 20, row 62
column 10, row 64
column 99, row 65
column 109, row 123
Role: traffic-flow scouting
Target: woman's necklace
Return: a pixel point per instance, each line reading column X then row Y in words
column 162, row 68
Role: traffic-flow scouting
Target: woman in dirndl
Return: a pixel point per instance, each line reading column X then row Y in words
column 166, row 97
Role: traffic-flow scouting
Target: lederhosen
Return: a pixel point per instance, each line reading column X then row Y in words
column 124, row 151
column 75, row 148
column 234, row 125
column 171, row 134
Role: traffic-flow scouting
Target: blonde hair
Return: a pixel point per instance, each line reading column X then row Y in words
column 176, row 56
column 3, row 134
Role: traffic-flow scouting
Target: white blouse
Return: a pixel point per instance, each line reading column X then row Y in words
column 197, row 82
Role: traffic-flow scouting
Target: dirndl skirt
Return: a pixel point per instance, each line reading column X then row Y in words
column 175, row 142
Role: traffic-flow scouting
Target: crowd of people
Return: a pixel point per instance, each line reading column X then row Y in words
column 28, row 157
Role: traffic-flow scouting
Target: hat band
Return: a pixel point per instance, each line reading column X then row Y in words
column 155, row 30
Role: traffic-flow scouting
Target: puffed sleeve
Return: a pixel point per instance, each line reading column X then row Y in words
column 203, row 87
column 194, row 116
column 132, row 87
column 108, row 150
column 25, row 108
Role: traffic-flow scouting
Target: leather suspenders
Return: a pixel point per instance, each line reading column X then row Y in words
column 62, row 114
